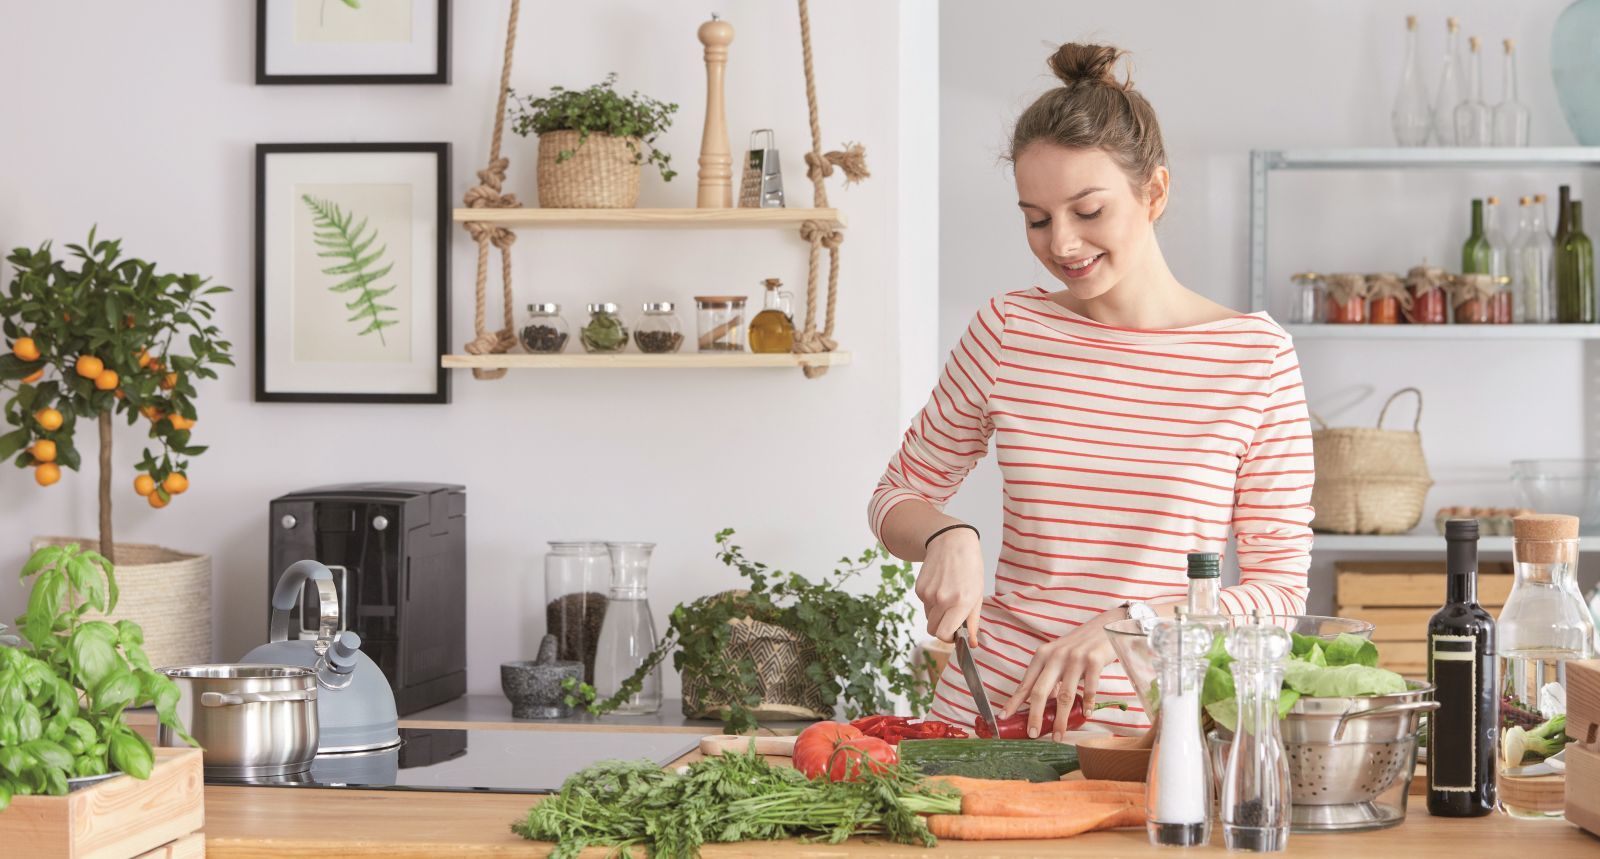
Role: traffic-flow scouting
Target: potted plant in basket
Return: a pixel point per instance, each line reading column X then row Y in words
column 65, row 684
column 91, row 337
column 593, row 144
column 788, row 647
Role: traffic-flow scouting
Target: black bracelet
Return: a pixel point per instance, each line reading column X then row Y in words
column 925, row 543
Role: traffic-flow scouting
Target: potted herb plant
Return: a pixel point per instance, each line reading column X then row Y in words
column 593, row 144
column 788, row 647
column 94, row 336
column 65, row 684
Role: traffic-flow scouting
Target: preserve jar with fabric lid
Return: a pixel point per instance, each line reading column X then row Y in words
column 1347, row 298
column 546, row 331
column 720, row 319
column 1310, row 299
column 1387, row 298
column 658, row 331
column 1472, row 295
column 1430, row 304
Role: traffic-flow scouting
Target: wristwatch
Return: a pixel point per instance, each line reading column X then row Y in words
column 1145, row 615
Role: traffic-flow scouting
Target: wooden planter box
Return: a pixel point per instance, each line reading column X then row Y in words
column 120, row 818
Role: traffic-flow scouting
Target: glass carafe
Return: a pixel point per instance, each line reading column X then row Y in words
column 1543, row 625
column 1255, row 789
column 773, row 328
column 577, row 574
column 629, row 633
column 1178, row 792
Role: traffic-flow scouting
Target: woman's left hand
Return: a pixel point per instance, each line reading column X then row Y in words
column 1057, row 669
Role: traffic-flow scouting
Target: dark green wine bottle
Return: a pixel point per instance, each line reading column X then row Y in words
column 1574, row 265
column 1476, row 253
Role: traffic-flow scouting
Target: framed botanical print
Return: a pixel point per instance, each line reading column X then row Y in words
column 352, row 41
column 352, row 272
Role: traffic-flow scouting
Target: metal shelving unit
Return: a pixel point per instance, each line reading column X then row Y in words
column 1302, row 333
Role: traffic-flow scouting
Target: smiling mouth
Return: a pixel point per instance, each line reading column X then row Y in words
column 1082, row 264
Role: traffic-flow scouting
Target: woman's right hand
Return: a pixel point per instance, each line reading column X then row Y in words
column 950, row 584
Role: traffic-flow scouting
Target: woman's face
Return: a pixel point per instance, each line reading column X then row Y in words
column 1085, row 222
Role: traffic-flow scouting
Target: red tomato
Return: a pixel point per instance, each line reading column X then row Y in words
column 816, row 743
column 852, row 757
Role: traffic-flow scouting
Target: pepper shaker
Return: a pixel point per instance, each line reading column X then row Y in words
column 1255, row 788
column 1178, row 791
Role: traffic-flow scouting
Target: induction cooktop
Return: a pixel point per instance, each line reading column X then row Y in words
column 491, row 761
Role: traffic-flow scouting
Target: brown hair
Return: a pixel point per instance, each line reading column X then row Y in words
column 1092, row 110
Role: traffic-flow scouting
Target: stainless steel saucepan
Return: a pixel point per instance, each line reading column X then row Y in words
column 252, row 720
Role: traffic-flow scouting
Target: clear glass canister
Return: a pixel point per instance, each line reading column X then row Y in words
column 1310, row 299
column 1544, row 625
column 629, row 634
column 658, row 330
column 604, row 331
column 577, row 575
column 721, row 322
column 546, row 332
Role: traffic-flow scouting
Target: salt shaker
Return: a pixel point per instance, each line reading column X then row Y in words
column 1178, row 795
column 1255, row 788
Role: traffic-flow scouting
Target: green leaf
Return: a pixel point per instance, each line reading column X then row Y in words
column 48, row 753
column 131, row 753
column 1349, row 649
column 116, row 691
column 13, row 441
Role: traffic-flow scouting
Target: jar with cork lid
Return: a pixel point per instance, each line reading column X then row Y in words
column 720, row 320
column 773, row 328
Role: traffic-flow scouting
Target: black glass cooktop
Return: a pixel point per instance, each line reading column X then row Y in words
column 507, row 761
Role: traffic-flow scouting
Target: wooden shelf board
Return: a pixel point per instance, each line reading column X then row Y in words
column 709, row 219
column 1443, row 332
column 640, row 361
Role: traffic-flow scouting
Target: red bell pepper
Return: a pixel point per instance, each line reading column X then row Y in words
column 1015, row 726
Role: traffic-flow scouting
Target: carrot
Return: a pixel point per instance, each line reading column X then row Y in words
column 973, row 785
column 1000, row 804
column 1098, row 784
column 1131, row 815
column 964, row 827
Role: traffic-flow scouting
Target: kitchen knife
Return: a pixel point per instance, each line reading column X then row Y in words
column 969, row 671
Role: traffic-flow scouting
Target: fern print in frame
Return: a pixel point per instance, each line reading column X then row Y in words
column 339, row 241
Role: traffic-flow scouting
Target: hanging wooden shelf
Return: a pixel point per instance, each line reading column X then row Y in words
column 651, row 219
column 639, row 360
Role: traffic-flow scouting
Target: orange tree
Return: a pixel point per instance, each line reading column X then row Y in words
column 95, row 335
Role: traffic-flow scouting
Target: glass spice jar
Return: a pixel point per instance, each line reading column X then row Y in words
column 658, row 332
column 1310, row 299
column 1429, row 303
column 720, row 319
column 1347, row 298
column 605, row 332
column 546, row 332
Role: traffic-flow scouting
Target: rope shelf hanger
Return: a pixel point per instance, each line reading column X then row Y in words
column 488, row 194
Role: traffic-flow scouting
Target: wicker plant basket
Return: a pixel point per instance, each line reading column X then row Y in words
column 167, row 593
column 1369, row 481
column 781, row 658
column 601, row 174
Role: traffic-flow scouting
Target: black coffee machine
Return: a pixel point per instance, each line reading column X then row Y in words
column 398, row 552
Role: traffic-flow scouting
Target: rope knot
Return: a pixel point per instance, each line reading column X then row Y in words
column 500, row 237
column 821, row 233
column 853, row 161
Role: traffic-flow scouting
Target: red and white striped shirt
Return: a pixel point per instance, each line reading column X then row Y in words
column 1121, row 451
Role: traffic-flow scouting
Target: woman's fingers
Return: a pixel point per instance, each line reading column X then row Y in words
column 1025, row 685
column 974, row 621
column 936, row 613
column 1039, row 696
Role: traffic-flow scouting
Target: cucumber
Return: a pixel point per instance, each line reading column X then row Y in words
column 1033, row 760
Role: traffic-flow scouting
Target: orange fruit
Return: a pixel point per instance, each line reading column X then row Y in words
column 106, row 380
column 43, row 450
column 25, row 349
column 49, row 419
column 175, row 484
column 144, row 484
column 156, row 500
column 153, row 413
column 35, row 376
column 179, row 422
column 144, row 358
column 89, row 366
column 170, row 382
column 155, row 365
column 46, row 473
column 121, row 394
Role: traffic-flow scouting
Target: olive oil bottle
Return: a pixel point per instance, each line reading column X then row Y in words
column 1464, row 732
column 772, row 330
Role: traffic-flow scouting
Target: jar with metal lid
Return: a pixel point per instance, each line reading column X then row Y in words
column 658, row 330
column 1310, row 299
column 546, row 332
column 720, row 319
column 605, row 331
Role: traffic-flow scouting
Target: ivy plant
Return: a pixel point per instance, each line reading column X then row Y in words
column 64, row 689
column 600, row 109
column 863, row 642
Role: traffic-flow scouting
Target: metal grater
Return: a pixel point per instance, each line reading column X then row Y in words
column 762, row 185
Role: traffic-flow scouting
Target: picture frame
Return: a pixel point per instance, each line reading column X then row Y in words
column 352, row 266
column 334, row 42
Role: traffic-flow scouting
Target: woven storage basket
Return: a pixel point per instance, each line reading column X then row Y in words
column 1369, row 481
column 601, row 174
column 781, row 658
column 167, row 593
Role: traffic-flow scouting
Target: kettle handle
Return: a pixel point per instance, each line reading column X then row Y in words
column 287, row 593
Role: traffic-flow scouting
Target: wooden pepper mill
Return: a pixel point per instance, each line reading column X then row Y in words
column 716, row 154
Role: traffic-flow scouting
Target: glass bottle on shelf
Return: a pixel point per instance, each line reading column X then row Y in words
column 1474, row 119
column 546, row 332
column 773, row 328
column 1449, row 93
column 1411, row 117
column 1543, row 625
column 1530, row 265
column 658, row 331
column 1574, row 265
column 1310, row 300
column 628, row 635
column 1475, row 254
column 1496, row 237
column 1256, row 787
column 1511, row 117
column 576, row 577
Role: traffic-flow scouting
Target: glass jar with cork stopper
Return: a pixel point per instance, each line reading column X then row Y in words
column 772, row 331
column 720, row 320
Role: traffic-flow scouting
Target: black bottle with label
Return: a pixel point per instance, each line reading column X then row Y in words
column 1463, row 732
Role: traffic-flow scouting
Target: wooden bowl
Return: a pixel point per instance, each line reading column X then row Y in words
column 1113, row 758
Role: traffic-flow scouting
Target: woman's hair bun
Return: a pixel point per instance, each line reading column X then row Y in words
column 1074, row 62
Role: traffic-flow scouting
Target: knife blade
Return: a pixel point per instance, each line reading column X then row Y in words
column 969, row 671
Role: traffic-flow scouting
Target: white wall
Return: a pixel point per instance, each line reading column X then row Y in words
column 1226, row 78
column 143, row 119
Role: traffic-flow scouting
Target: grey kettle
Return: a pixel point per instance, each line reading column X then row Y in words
column 356, row 711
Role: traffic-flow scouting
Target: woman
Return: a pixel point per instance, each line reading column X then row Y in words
column 1135, row 421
